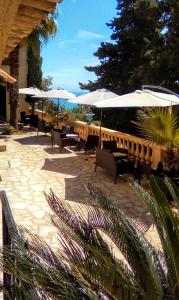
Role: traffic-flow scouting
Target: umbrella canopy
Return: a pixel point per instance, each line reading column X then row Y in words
column 93, row 98
column 39, row 95
column 140, row 98
column 30, row 91
column 59, row 94
column 55, row 94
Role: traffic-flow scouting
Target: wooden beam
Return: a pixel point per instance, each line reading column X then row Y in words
column 20, row 33
column 18, row 18
column 55, row 1
column 8, row 13
column 31, row 12
column 27, row 23
column 12, row 42
column 16, row 30
column 7, row 77
column 40, row 4
column 30, row 20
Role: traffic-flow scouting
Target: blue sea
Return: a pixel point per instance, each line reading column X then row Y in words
column 67, row 104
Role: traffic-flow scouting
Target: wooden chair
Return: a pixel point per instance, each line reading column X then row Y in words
column 61, row 140
column 115, row 168
column 92, row 142
column 111, row 146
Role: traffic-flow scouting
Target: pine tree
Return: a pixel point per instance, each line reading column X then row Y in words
column 132, row 58
column 170, row 52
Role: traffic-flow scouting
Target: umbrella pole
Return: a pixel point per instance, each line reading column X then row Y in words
column 101, row 116
column 42, row 109
column 58, row 113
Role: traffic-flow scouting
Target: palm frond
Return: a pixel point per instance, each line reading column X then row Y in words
column 135, row 249
column 158, row 125
column 92, row 240
column 167, row 223
column 140, row 254
column 34, row 270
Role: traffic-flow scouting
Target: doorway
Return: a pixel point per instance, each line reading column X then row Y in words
column 2, row 102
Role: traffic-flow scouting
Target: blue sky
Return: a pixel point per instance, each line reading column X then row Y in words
column 82, row 27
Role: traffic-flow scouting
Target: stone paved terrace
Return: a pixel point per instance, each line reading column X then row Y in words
column 30, row 166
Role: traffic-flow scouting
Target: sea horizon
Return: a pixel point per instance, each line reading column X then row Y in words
column 67, row 104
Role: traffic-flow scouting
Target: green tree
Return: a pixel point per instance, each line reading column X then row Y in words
column 46, row 83
column 40, row 35
column 48, row 105
column 132, row 57
column 79, row 112
column 89, row 267
column 170, row 49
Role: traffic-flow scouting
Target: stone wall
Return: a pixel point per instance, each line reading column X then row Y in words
column 6, row 68
column 23, row 69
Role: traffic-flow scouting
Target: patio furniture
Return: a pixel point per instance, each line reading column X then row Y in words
column 106, row 160
column 118, row 153
column 34, row 121
column 62, row 140
column 91, row 143
column 23, row 117
column 68, row 129
column 43, row 127
column 160, row 173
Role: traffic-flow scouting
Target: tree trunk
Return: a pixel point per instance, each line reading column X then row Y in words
column 13, row 93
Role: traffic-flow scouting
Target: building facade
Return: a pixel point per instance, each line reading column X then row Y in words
column 23, row 106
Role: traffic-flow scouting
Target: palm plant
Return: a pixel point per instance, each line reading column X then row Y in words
column 160, row 125
column 88, row 265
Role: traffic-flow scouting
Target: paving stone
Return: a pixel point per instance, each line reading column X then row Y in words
column 28, row 168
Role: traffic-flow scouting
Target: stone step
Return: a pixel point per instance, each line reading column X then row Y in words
column 3, row 148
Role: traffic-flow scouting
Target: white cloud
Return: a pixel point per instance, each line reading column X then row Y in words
column 68, row 72
column 65, row 43
column 84, row 34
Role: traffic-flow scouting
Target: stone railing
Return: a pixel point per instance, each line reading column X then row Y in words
column 46, row 117
column 138, row 148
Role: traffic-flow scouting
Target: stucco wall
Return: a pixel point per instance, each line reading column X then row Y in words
column 23, row 69
column 6, row 68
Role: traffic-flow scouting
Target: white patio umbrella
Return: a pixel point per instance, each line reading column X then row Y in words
column 140, row 98
column 56, row 94
column 59, row 94
column 93, row 98
column 40, row 95
column 29, row 91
